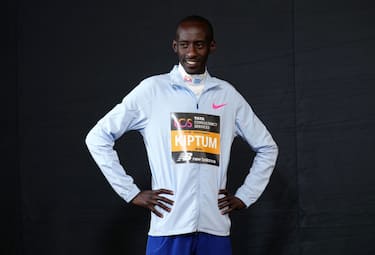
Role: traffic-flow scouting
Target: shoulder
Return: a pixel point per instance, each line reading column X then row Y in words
column 231, row 92
column 150, row 84
column 226, row 85
column 157, row 78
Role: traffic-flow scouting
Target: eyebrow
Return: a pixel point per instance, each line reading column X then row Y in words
column 197, row 41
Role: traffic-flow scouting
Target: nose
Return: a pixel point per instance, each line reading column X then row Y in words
column 191, row 51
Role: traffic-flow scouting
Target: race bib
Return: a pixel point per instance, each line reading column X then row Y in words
column 195, row 138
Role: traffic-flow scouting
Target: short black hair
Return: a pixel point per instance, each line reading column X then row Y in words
column 200, row 19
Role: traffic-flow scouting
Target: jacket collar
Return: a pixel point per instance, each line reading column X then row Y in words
column 177, row 80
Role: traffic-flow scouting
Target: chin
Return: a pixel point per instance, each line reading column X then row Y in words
column 193, row 70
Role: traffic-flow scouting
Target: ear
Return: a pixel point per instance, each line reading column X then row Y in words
column 212, row 46
column 174, row 46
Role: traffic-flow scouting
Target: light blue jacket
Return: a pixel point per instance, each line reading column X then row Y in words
column 165, row 111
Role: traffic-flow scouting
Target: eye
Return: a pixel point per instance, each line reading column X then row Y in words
column 199, row 45
column 183, row 45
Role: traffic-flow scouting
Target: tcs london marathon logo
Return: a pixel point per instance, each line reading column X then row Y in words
column 195, row 138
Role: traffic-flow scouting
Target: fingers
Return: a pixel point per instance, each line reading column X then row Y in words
column 224, row 201
column 161, row 205
column 229, row 203
column 162, row 198
column 151, row 198
column 156, row 212
column 161, row 201
column 155, row 199
column 164, row 191
column 226, row 204
column 224, row 192
column 227, row 211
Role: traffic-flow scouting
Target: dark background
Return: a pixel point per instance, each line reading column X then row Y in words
column 306, row 67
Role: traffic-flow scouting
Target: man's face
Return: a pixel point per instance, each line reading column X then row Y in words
column 193, row 47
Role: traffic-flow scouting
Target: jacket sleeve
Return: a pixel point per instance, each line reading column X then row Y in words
column 101, row 139
column 251, row 129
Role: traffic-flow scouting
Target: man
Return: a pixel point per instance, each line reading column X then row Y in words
column 188, row 121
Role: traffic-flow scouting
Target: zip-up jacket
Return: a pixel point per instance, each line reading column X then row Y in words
column 188, row 142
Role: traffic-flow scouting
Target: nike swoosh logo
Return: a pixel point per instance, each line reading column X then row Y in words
column 217, row 106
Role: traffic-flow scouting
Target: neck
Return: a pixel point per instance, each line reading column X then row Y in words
column 192, row 79
column 183, row 72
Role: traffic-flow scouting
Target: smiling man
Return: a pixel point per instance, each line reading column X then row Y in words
column 193, row 43
column 188, row 120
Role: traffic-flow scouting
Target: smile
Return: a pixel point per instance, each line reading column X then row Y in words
column 190, row 62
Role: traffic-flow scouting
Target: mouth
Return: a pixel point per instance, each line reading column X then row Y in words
column 192, row 62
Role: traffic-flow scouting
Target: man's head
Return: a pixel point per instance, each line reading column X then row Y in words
column 193, row 43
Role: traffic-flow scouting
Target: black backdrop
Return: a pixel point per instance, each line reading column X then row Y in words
column 306, row 67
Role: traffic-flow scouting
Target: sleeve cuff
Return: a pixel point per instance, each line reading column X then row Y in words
column 247, row 200
column 132, row 193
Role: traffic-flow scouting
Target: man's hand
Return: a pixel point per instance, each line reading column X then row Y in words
column 150, row 198
column 229, row 202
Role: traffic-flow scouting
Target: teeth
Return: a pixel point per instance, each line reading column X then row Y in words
column 191, row 62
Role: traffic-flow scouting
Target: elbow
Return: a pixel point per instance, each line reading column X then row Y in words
column 96, row 137
column 275, row 153
column 88, row 140
column 276, row 148
column 90, row 137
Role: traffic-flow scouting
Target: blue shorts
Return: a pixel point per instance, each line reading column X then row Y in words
column 189, row 244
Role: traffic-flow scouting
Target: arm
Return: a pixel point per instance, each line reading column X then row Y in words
column 100, row 145
column 252, row 130
column 100, row 141
column 128, row 115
